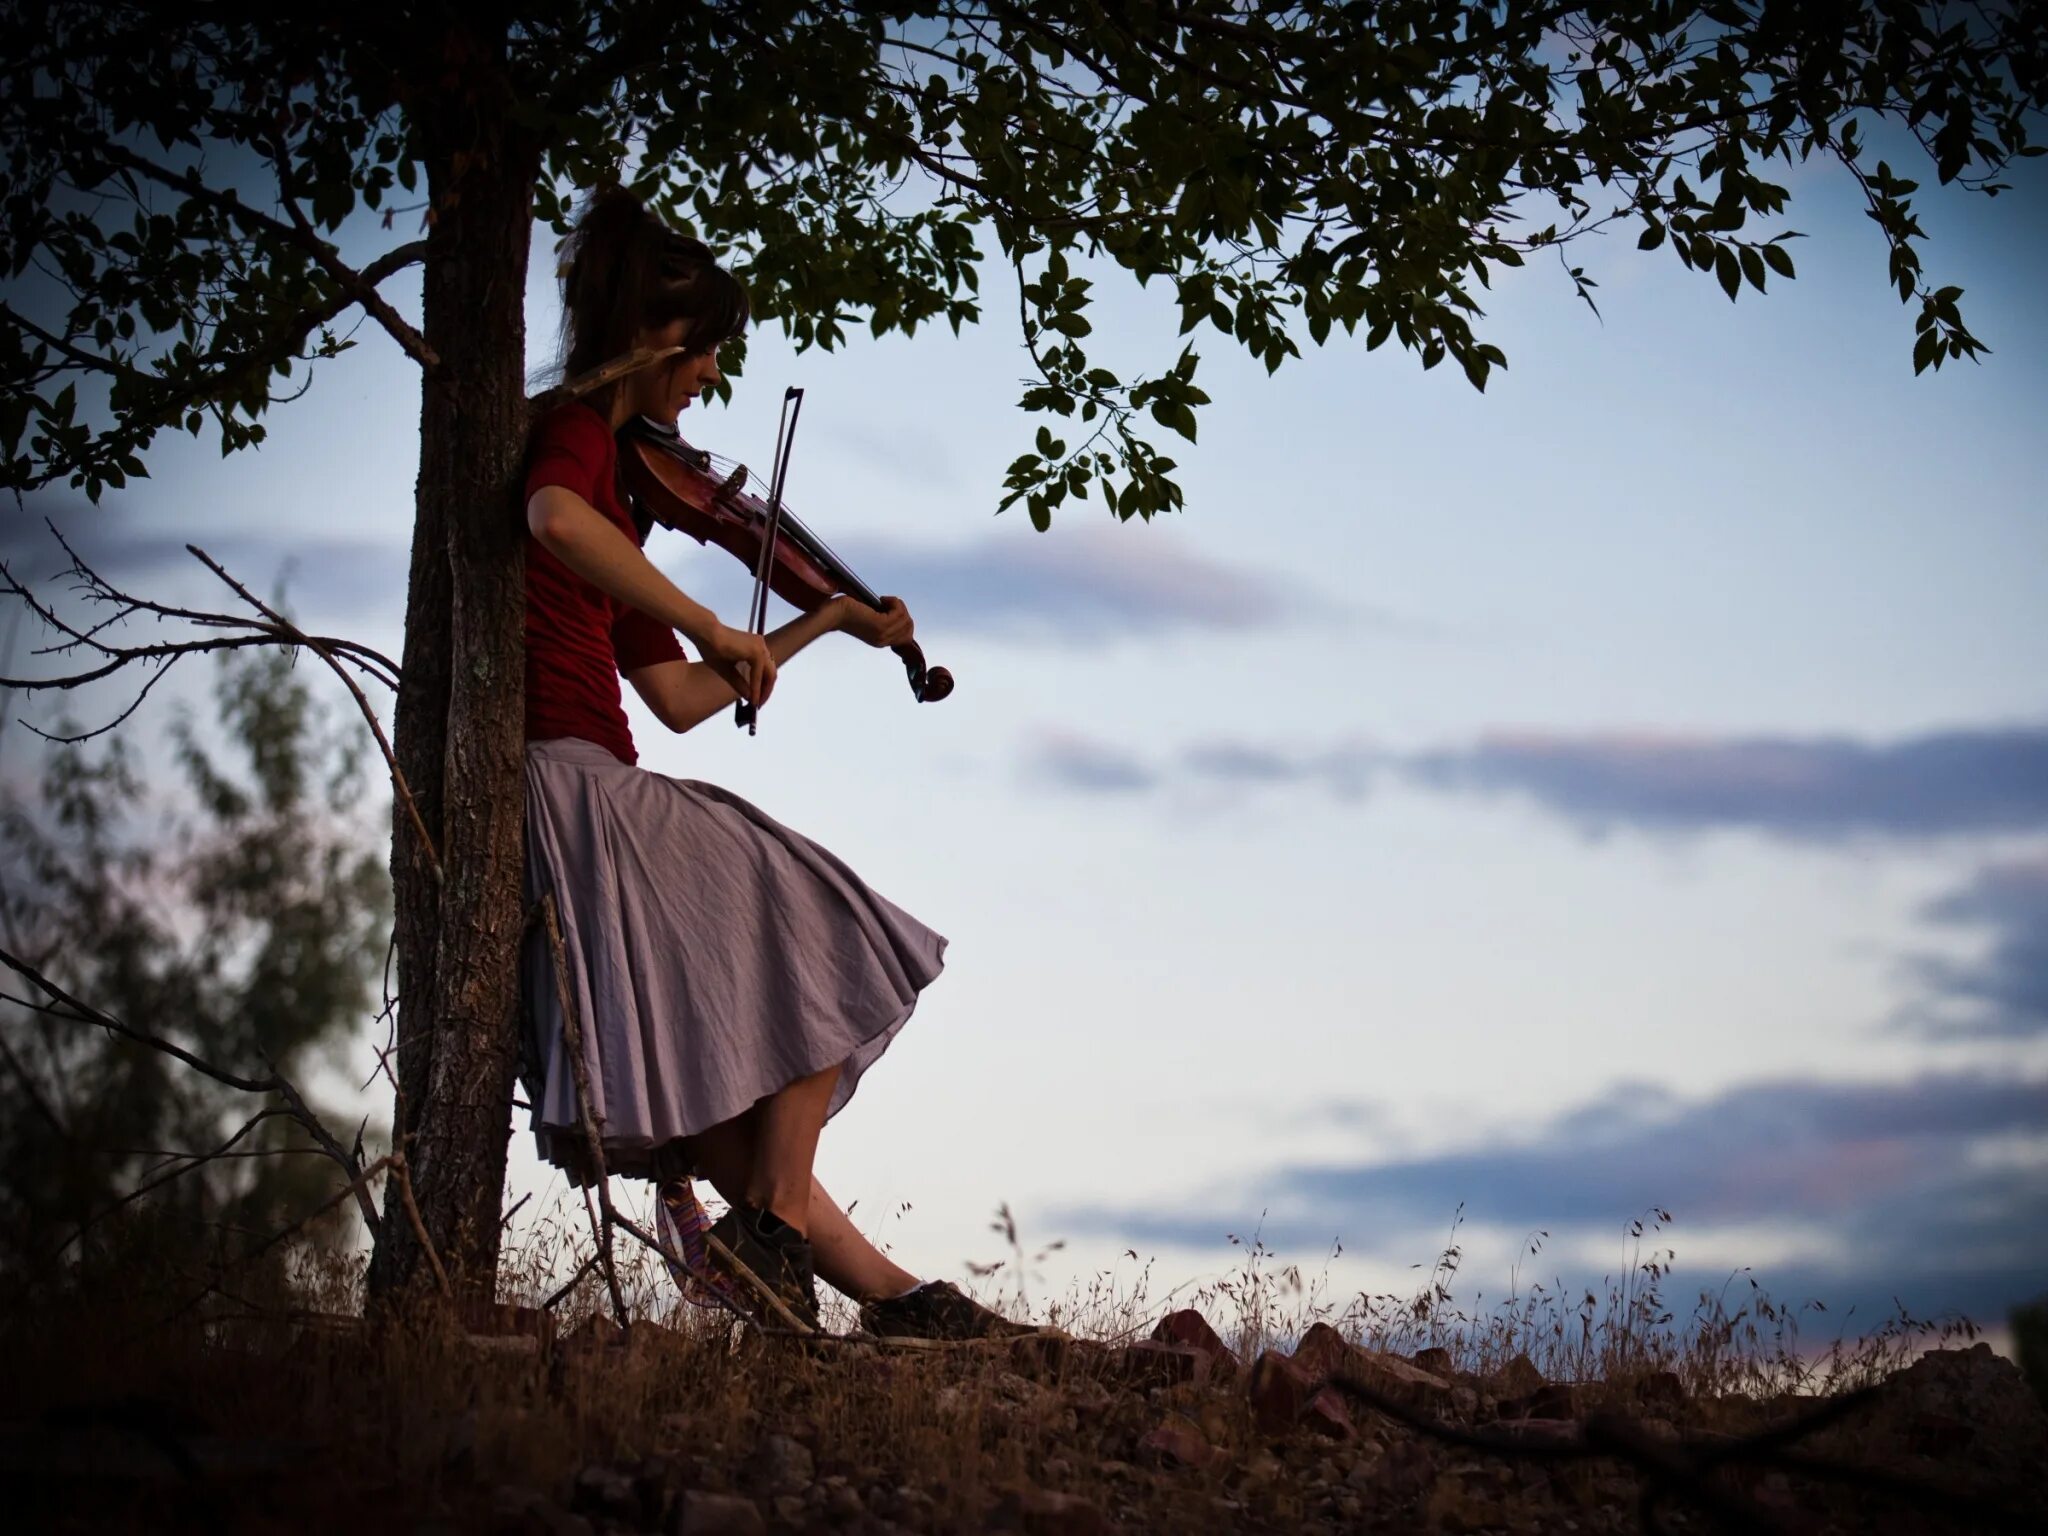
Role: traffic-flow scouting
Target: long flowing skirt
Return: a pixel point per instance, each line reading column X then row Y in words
column 713, row 957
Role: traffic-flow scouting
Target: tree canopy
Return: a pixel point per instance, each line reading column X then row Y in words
column 178, row 193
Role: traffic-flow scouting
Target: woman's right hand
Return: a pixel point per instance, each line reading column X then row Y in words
column 743, row 659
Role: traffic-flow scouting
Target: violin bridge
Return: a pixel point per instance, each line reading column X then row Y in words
column 733, row 483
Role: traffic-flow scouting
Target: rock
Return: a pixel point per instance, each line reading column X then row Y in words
column 1329, row 1417
column 520, row 1511
column 1435, row 1361
column 782, row 1466
column 788, row 1507
column 1280, row 1393
column 718, row 1514
column 1964, row 1406
column 1364, row 1469
column 1058, row 1469
column 1554, row 1400
column 1540, row 1431
column 1174, row 1444
column 842, row 1501
column 1518, row 1378
column 1189, row 1329
column 1042, row 1512
column 1153, row 1364
column 1040, row 1354
column 605, row 1490
column 1326, row 1356
column 1661, row 1390
column 1461, row 1503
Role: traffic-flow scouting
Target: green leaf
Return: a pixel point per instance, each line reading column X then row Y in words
column 1728, row 270
column 1778, row 259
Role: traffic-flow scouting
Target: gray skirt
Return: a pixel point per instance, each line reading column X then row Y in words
column 713, row 956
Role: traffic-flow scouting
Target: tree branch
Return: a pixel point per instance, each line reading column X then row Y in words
column 63, row 1005
column 298, row 636
column 295, row 231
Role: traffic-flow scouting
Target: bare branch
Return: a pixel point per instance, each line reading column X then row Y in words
column 403, row 1174
column 190, row 1161
column 300, row 637
column 63, row 1005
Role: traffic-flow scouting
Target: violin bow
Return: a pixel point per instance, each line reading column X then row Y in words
column 744, row 713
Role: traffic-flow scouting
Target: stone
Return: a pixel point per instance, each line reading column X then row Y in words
column 788, row 1507
column 843, row 1502
column 782, row 1465
column 1150, row 1363
column 1554, row 1400
column 1435, row 1361
column 1326, row 1356
column 1328, row 1416
column 1189, row 1329
column 1280, row 1392
column 1067, row 1514
column 1174, row 1444
column 1040, row 1354
column 1518, row 1378
column 606, row 1491
column 718, row 1514
column 1661, row 1390
column 1364, row 1469
column 1540, row 1431
column 521, row 1511
column 1461, row 1503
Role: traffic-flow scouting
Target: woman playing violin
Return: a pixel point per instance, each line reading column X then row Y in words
column 733, row 979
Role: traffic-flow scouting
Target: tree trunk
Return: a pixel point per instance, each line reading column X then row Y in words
column 458, row 725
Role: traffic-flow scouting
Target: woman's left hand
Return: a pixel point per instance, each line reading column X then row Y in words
column 892, row 625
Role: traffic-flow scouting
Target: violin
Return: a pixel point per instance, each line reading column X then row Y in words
column 687, row 489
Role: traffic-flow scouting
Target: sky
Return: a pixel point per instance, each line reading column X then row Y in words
column 1624, row 789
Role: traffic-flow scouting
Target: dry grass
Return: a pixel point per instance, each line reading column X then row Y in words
column 415, row 1417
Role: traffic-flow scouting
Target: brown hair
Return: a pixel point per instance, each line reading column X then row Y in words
column 623, row 270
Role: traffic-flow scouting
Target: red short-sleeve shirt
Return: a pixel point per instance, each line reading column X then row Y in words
column 578, row 637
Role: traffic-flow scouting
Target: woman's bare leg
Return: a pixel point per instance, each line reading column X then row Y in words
column 785, row 1146
column 762, row 1156
column 845, row 1259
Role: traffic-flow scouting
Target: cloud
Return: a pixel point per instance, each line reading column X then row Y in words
column 1078, row 587
column 1983, row 780
column 1082, row 764
column 1897, row 1180
column 1993, row 779
column 2004, row 991
column 328, row 573
column 1344, row 771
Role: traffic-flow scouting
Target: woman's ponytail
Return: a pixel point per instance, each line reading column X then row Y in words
column 623, row 271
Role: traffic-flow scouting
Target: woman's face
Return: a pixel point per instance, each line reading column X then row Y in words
column 665, row 390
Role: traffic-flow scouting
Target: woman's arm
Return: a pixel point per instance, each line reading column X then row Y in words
column 683, row 694
column 586, row 541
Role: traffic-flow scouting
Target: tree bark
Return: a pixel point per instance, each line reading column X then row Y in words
column 459, row 716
